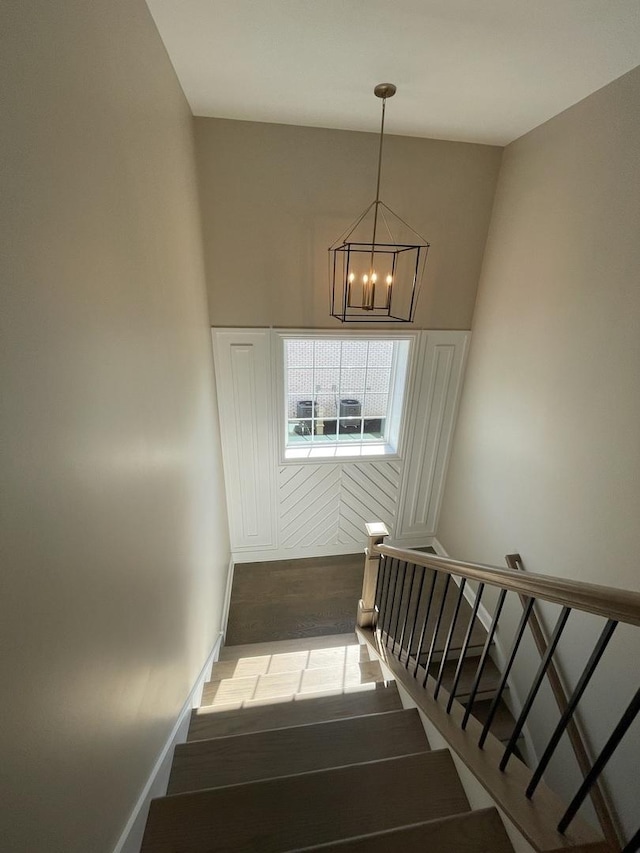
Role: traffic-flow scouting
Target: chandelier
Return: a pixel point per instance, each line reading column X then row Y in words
column 377, row 280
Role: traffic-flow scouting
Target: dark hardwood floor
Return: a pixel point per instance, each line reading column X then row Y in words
column 290, row 599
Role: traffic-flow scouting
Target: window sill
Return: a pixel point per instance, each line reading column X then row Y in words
column 340, row 453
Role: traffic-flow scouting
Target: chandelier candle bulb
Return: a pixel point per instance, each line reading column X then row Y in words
column 350, row 280
column 406, row 257
column 389, row 281
column 368, row 292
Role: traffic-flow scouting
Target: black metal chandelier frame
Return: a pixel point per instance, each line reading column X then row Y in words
column 372, row 306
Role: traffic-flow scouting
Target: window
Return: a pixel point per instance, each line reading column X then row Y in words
column 343, row 397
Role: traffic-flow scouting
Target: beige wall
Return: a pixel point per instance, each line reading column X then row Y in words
column 275, row 197
column 546, row 458
column 114, row 542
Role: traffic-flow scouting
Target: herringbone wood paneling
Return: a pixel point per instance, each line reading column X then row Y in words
column 369, row 492
column 309, row 505
column 330, row 504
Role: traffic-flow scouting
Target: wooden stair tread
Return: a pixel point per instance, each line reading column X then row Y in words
column 273, row 647
column 473, row 832
column 293, row 710
column 489, row 682
column 310, row 808
column 291, row 681
column 300, row 749
column 478, row 633
column 503, row 722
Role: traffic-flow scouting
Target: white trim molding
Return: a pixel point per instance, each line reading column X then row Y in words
column 297, row 553
column 156, row 785
column 392, row 446
column 226, row 607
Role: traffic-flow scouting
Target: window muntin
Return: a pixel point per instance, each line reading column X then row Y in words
column 343, row 397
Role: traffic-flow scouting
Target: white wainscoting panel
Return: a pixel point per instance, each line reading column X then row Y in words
column 432, row 414
column 243, row 376
column 291, row 509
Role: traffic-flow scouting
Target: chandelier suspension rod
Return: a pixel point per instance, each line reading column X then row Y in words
column 384, row 104
column 377, row 201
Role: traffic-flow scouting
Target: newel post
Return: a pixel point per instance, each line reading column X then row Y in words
column 376, row 533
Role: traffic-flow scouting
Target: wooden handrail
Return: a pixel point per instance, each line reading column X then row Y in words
column 619, row 604
column 603, row 808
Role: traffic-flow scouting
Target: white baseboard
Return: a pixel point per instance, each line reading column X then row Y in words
column 226, row 607
column 298, row 553
column 411, row 541
column 258, row 556
column 438, row 547
column 156, row 785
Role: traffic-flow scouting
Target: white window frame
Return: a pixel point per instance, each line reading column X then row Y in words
column 351, row 451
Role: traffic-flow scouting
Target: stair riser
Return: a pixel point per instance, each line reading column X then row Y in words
column 295, row 661
column 293, row 712
column 331, row 641
column 305, row 681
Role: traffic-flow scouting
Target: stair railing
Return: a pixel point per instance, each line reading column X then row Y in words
column 604, row 809
column 410, row 611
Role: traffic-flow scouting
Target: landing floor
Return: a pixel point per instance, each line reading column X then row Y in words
column 290, row 599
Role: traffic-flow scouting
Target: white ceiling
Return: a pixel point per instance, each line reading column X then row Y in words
column 473, row 70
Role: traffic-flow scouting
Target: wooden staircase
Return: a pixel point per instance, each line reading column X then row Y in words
column 302, row 745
